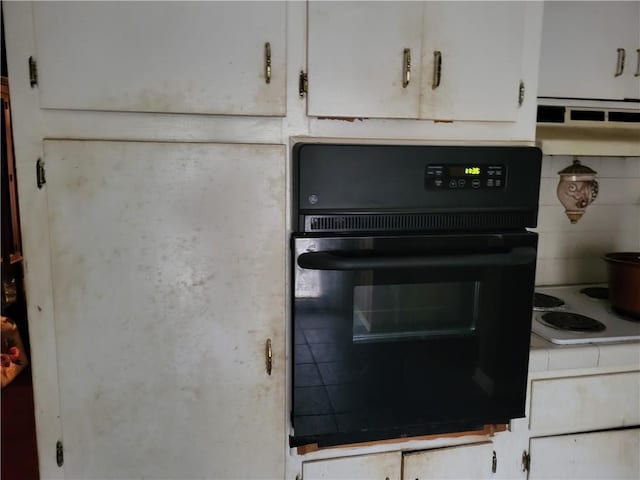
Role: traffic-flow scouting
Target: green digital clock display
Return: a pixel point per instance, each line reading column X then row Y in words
column 460, row 171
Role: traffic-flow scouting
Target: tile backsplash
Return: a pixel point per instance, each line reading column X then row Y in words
column 572, row 253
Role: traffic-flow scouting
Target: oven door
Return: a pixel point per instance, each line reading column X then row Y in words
column 409, row 335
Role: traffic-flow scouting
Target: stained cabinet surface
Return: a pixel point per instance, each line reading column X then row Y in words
column 356, row 59
column 465, row 59
column 469, row 461
column 608, row 454
column 359, row 467
column 481, row 47
column 168, row 277
column 579, row 55
column 181, row 57
column 589, row 402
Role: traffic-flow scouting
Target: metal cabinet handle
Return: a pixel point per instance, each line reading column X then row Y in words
column 637, row 74
column 406, row 67
column 437, row 69
column 267, row 62
column 620, row 63
column 269, row 356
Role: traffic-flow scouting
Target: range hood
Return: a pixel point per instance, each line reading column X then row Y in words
column 578, row 127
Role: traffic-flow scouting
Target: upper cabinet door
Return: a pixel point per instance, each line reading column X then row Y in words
column 580, row 56
column 357, row 64
column 180, row 57
column 472, row 60
column 632, row 69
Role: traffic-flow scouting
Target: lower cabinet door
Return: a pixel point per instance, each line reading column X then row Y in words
column 168, row 279
column 613, row 454
column 381, row 466
column 463, row 462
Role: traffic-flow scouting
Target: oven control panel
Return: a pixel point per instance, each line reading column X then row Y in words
column 465, row 177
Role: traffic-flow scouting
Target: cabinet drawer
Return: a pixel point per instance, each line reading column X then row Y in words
column 585, row 403
column 611, row 455
column 467, row 461
column 382, row 466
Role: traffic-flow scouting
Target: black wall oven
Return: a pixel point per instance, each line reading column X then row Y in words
column 412, row 285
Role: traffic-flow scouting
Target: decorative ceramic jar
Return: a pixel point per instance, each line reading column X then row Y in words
column 577, row 189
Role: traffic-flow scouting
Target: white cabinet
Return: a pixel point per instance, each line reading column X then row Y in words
column 168, row 277
column 465, row 59
column 382, row 466
column 475, row 461
column 582, row 47
column 356, row 59
column 589, row 402
column 469, row 462
column 610, row 454
column 182, row 57
column 480, row 47
column 603, row 406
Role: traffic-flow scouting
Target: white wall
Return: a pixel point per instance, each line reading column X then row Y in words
column 573, row 253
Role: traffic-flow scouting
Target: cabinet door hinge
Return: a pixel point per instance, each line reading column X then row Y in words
column 40, row 178
column 521, row 93
column 494, row 462
column 59, row 453
column 33, row 72
column 526, row 461
column 303, row 84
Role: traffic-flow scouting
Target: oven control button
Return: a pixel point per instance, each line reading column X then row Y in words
column 498, row 182
column 437, row 182
column 453, row 184
column 475, row 183
column 490, row 182
column 461, row 182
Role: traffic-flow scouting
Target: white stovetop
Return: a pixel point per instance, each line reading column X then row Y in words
column 618, row 329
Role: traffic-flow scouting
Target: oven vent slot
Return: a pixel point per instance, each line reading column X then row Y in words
column 415, row 222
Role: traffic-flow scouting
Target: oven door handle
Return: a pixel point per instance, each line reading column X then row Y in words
column 330, row 261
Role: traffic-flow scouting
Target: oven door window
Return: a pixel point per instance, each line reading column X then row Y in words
column 403, row 344
column 387, row 313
